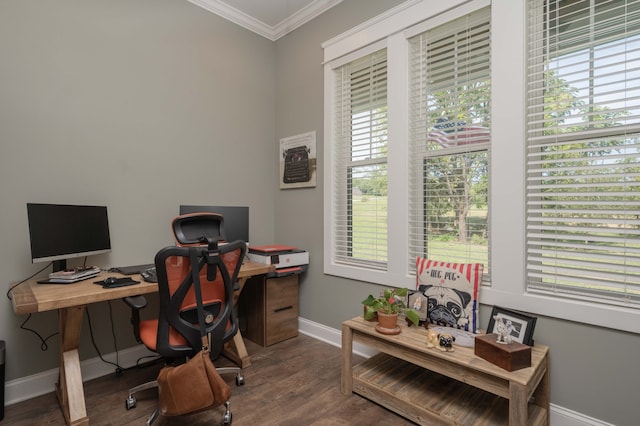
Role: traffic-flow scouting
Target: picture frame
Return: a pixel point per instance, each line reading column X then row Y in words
column 418, row 301
column 523, row 324
column 298, row 162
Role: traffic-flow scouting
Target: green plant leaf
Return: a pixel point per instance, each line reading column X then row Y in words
column 413, row 316
column 368, row 313
column 396, row 306
column 369, row 300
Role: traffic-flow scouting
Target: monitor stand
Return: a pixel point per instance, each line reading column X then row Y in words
column 59, row 265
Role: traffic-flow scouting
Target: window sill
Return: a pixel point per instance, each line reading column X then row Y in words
column 608, row 316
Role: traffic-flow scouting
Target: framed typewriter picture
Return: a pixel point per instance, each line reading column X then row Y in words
column 298, row 161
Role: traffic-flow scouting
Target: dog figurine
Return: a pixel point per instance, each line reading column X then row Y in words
column 432, row 339
column 442, row 341
column 503, row 330
column 445, row 340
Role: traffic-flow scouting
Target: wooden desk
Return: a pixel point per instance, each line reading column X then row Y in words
column 431, row 387
column 71, row 299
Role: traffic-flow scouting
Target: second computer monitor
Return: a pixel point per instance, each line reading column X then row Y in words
column 236, row 219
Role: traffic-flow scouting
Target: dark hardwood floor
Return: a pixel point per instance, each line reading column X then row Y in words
column 295, row 382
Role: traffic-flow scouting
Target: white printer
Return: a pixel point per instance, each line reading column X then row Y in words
column 287, row 259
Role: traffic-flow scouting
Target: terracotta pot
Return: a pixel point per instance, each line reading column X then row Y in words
column 388, row 321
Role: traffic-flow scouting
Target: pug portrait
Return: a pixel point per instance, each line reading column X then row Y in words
column 446, row 306
column 450, row 291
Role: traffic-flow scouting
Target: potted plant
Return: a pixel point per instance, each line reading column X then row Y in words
column 390, row 304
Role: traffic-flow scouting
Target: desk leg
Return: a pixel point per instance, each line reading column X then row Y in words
column 236, row 294
column 346, row 384
column 235, row 349
column 70, row 390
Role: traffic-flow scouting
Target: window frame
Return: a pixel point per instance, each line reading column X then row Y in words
column 389, row 30
column 361, row 143
column 508, row 245
column 507, row 198
column 471, row 28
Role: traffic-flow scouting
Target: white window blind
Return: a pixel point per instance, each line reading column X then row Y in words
column 583, row 158
column 360, row 134
column 450, row 90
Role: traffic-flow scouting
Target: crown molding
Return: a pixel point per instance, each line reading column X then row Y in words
column 303, row 16
column 272, row 33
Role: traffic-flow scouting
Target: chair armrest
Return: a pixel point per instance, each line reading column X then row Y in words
column 135, row 303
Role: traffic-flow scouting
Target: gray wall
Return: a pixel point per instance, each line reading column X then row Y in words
column 593, row 370
column 139, row 105
column 129, row 102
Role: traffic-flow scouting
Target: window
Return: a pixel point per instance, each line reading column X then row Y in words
column 583, row 157
column 450, row 86
column 361, row 148
column 552, row 199
column 386, row 201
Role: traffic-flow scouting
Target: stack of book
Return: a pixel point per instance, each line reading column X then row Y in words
column 73, row 275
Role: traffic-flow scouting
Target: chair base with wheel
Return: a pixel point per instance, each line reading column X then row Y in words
column 132, row 401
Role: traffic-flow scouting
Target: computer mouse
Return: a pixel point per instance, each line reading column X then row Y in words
column 110, row 281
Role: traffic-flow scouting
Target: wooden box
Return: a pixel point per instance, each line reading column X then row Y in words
column 512, row 356
column 269, row 309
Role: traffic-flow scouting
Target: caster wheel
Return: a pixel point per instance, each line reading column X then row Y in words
column 130, row 402
column 239, row 379
column 227, row 417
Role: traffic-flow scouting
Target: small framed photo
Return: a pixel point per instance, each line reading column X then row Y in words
column 522, row 325
column 418, row 301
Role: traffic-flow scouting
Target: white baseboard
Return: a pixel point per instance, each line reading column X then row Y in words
column 563, row 416
column 42, row 383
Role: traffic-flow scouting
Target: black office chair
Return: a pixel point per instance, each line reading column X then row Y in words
column 175, row 334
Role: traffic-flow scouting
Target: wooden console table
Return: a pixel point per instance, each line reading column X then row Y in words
column 416, row 382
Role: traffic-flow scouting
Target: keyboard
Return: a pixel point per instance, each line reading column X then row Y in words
column 130, row 270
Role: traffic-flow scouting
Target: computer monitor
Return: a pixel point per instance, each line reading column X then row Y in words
column 236, row 219
column 58, row 232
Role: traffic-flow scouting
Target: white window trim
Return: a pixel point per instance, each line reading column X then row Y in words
column 508, row 172
column 508, row 248
column 387, row 30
